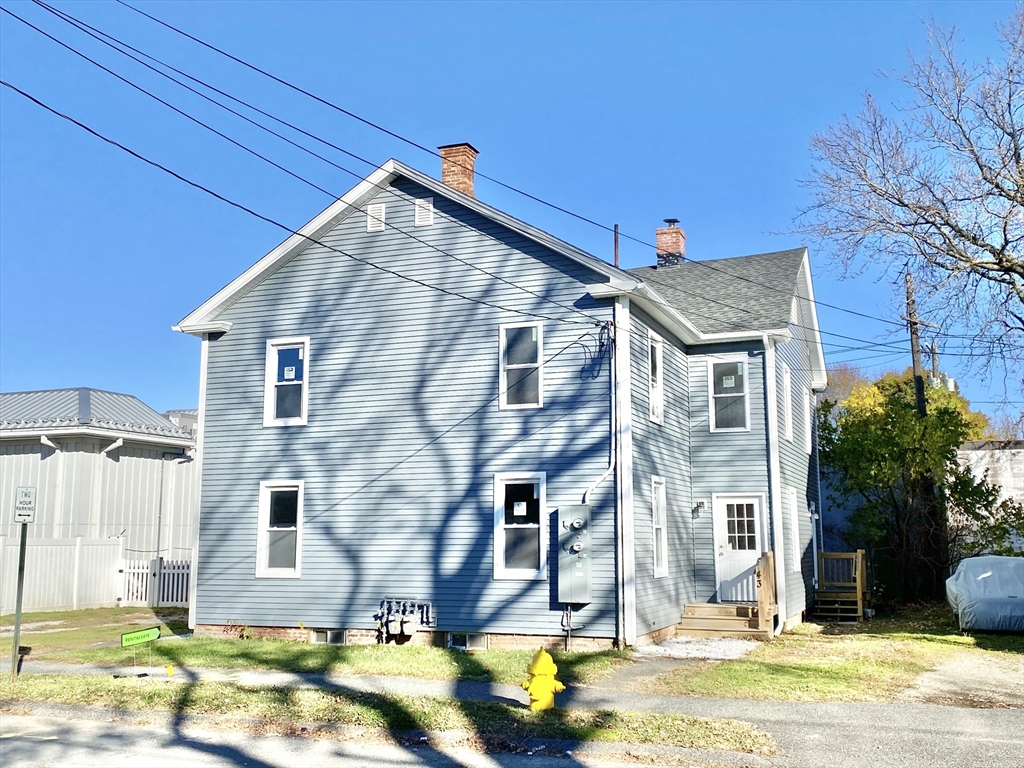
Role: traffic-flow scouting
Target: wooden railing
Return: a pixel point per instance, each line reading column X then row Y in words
column 846, row 573
column 764, row 573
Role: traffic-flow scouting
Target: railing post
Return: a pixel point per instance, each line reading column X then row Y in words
column 860, row 583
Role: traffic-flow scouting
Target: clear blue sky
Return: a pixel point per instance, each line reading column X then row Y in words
column 625, row 113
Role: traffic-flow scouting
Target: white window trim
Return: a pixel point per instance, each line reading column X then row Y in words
column 270, row 381
column 375, row 217
column 794, row 531
column 423, row 211
column 808, row 422
column 787, row 401
column 521, row 574
column 738, row 358
column 263, row 524
column 659, row 491
column 656, row 389
column 502, row 371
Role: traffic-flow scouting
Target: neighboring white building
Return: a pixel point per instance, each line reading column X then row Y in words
column 106, row 467
column 1004, row 462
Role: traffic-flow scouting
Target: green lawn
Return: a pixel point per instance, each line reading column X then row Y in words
column 93, row 637
column 285, row 709
column 872, row 661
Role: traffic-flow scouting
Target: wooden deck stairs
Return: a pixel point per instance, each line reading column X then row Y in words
column 751, row 620
column 842, row 587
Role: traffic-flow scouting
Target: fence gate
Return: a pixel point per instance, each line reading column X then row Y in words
column 156, row 582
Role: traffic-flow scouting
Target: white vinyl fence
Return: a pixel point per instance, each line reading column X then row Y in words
column 69, row 574
column 62, row 574
column 156, row 582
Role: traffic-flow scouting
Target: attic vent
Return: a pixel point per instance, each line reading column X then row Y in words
column 424, row 211
column 375, row 217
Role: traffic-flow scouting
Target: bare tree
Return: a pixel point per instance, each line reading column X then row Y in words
column 935, row 185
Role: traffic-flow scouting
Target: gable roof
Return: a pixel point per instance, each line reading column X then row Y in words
column 205, row 319
column 666, row 296
column 60, row 411
column 745, row 293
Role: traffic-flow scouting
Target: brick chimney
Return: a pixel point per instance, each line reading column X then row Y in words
column 457, row 167
column 670, row 243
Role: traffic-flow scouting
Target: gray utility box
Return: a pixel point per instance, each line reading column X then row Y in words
column 574, row 553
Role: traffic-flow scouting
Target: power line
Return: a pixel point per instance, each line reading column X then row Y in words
column 70, row 20
column 84, row 27
column 245, row 148
column 433, row 152
column 274, row 222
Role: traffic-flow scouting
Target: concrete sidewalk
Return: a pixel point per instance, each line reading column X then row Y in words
column 839, row 734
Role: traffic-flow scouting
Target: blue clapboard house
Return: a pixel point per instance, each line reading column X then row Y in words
column 423, row 420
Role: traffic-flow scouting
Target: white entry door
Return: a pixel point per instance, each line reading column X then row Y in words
column 738, row 545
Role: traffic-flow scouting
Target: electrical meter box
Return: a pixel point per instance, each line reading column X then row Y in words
column 574, row 554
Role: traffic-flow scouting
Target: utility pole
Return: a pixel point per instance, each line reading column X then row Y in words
column 915, row 348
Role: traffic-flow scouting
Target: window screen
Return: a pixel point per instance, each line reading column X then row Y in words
column 522, row 526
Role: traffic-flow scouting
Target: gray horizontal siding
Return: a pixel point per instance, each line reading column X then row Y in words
column 662, row 450
column 798, row 470
column 404, row 432
column 724, row 462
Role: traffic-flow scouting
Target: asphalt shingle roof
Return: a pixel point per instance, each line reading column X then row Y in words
column 82, row 407
column 745, row 293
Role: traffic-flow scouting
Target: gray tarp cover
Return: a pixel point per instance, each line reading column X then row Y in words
column 988, row 593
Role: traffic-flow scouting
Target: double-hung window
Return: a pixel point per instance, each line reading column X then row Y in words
column 522, row 376
column 279, row 537
column 520, row 522
column 655, row 372
column 285, row 388
column 727, row 386
column 660, row 526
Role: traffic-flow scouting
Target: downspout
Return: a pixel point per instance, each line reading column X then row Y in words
column 775, row 480
column 611, row 438
column 624, row 462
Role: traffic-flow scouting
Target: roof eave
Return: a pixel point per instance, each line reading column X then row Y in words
column 652, row 303
column 137, row 437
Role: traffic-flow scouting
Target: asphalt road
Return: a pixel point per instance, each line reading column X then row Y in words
column 811, row 736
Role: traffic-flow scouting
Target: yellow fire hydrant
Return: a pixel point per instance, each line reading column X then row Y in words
column 542, row 685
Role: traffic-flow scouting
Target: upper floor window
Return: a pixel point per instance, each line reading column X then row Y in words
column 728, row 401
column 279, row 537
column 787, row 402
column 521, row 381
column 375, row 217
column 520, row 518
column 655, row 378
column 285, row 389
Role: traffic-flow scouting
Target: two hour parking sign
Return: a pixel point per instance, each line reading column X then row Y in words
column 25, row 504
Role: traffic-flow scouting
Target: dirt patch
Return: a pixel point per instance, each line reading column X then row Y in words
column 987, row 681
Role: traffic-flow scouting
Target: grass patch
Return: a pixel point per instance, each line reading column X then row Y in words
column 872, row 661
column 93, row 617
column 288, row 707
column 98, row 631
column 386, row 660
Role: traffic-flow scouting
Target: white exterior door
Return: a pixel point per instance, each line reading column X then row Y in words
column 738, row 545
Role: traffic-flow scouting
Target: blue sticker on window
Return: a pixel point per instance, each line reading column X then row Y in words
column 289, row 364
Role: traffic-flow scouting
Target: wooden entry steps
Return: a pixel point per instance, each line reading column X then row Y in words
column 842, row 587
column 725, row 620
